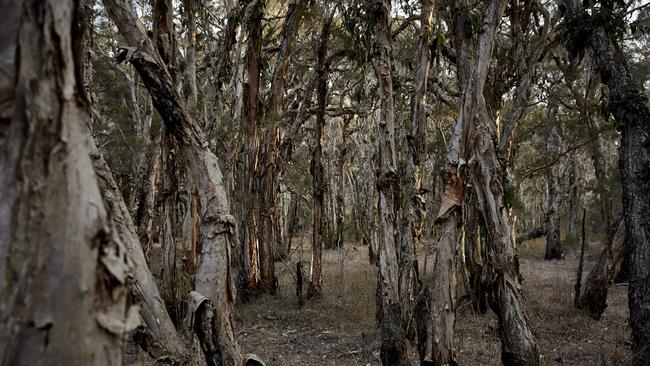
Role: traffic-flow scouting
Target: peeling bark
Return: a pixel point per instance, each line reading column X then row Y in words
column 250, row 276
column 393, row 341
column 415, row 210
column 629, row 106
column 315, row 289
column 213, row 275
column 477, row 131
column 142, row 286
column 64, row 272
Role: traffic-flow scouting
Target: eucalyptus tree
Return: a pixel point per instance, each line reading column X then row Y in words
column 393, row 340
column 213, row 274
column 473, row 157
column 415, row 142
column 599, row 32
column 317, row 171
column 63, row 289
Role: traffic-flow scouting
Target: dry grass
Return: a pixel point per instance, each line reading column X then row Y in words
column 340, row 328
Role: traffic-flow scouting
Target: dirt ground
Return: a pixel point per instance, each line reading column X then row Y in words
column 339, row 329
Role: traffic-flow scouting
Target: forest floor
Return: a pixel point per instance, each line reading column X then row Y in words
column 339, row 329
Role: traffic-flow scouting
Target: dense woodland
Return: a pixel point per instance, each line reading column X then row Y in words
column 307, row 182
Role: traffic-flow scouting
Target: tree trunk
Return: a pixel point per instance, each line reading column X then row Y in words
column 213, row 275
column 250, row 279
column 315, row 289
column 63, row 289
column 553, row 148
column 415, row 210
column 340, row 183
column 475, row 255
column 573, row 198
column 268, row 153
column 169, row 271
column 190, row 55
column 157, row 337
column 477, row 133
column 142, row 286
column 601, row 172
column 629, row 107
column 143, row 208
column 393, row 341
column 581, row 262
column 594, row 297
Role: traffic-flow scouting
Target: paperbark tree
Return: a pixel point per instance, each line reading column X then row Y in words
column 190, row 55
column 63, row 288
column 268, row 153
column 393, row 341
column 476, row 132
column 413, row 218
column 158, row 337
column 594, row 297
column 250, row 276
column 553, row 148
column 213, row 275
column 164, row 341
column 317, row 171
column 629, row 106
column 340, row 185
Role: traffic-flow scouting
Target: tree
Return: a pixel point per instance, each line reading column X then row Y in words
column 553, row 148
column 393, row 341
column 629, row 106
column 415, row 208
column 601, row 276
column 213, row 275
column 474, row 129
column 64, row 287
column 318, row 174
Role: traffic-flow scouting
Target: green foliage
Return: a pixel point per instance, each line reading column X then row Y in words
column 509, row 193
column 358, row 21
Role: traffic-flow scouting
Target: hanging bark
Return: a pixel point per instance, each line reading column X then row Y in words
column 169, row 271
column 629, row 106
column 143, row 208
column 413, row 219
column 165, row 341
column 594, row 297
column 268, row 153
column 476, row 130
column 250, row 278
column 317, row 171
column 475, row 254
column 213, row 275
column 393, row 341
column 63, row 288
